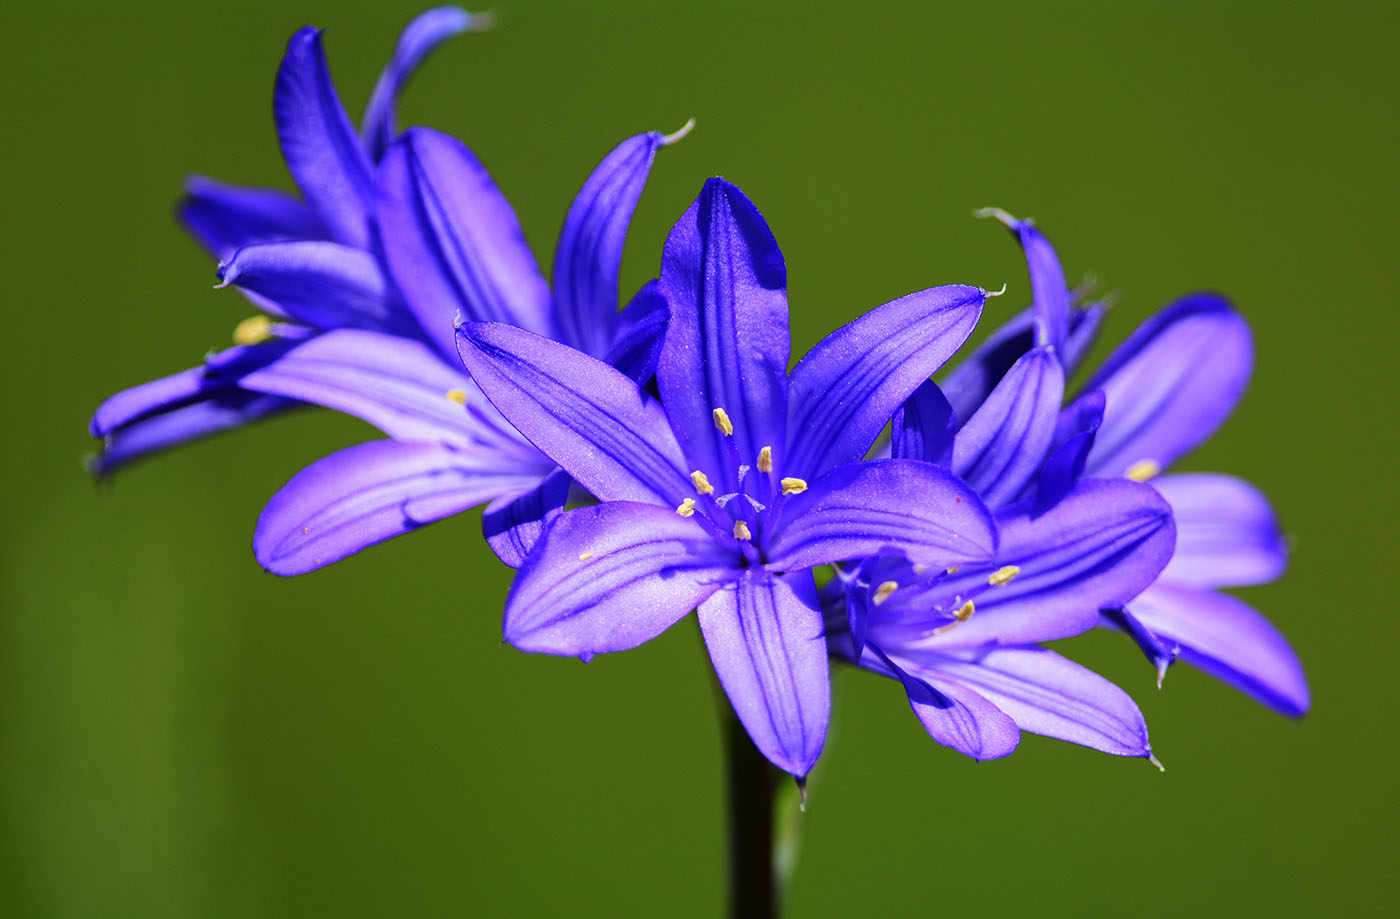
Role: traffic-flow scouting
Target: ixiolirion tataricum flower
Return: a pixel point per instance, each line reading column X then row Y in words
column 397, row 237
column 723, row 495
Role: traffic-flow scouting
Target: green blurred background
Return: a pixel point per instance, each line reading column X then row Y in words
column 184, row 735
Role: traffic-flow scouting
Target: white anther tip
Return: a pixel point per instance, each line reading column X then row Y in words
column 679, row 134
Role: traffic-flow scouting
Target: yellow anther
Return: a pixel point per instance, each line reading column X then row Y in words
column 585, row 556
column 741, row 530
column 920, row 569
column 702, row 484
column 457, row 395
column 1143, row 470
column 252, row 330
column 793, row 486
column 765, row 459
column 882, row 593
column 722, row 421
column 687, row 508
column 955, row 569
column 965, row 612
column 1003, row 575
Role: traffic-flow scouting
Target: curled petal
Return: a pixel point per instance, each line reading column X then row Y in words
column 514, row 524
column 640, row 334
column 322, row 284
column 924, row 427
column 765, row 641
column 225, row 218
column 183, row 424
column 610, row 577
column 1074, row 438
column 1001, row 448
column 417, row 40
column 1226, row 532
column 953, row 714
column 1050, row 297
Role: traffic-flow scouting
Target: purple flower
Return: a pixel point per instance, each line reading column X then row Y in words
column 397, row 238
column 723, row 495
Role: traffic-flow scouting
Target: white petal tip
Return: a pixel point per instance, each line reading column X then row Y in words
column 679, row 134
column 989, row 294
column 998, row 214
column 483, row 21
column 1156, row 762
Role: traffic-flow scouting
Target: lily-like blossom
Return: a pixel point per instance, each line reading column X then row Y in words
column 723, row 495
column 397, row 238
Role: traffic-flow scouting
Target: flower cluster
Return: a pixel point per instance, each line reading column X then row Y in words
column 645, row 463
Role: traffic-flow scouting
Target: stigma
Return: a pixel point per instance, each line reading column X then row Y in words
column 253, row 330
column 457, row 395
column 1143, row 470
column 1003, row 575
column 793, row 486
column 722, row 422
column 883, row 592
column 741, row 529
column 687, row 508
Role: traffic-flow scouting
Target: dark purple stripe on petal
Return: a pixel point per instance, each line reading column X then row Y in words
column 1050, row 297
column 180, row 425
column 1074, row 438
column 417, row 40
column 612, row 576
column 225, row 218
column 322, row 284
column 924, row 427
column 954, row 715
column 844, row 391
column 765, row 641
column 513, row 525
column 640, row 334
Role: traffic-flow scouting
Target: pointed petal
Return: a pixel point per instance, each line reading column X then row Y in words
column 1050, row 297
column 1171, row 384
column 726, row 347
column 183, row 424
column 1050, row 695
column 878, row 507
column 1001, row 448
column 225, row 218
column 1160, row 656
column 1098, row 547
column 1226, row 533
column 844, row 390
column 1227, row 639
column 924, row 427
column 514, row 524
column 589, row 253
column 452, row 241
column 587, row 417
column 1074, row 438
column 366, row 494
column 427, row 30
column 640, row 334
column 319, row 144
column 322, row 284
column 953, row 714
column 610, row 577
column 765, row 641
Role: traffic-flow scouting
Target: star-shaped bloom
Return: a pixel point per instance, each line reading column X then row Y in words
column 395, row 239
column 724, row 494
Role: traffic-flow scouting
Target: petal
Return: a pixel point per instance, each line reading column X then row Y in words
column 587, row 417
column 610, row 577
column 319, row 144
column 765, row 641
column 323, row 284
column 514, row 524
column 1229, row 640
column 417, row 40
column 1160, row 656
column 726, row 347
column 452, row 241
column 1099, row 547
column 924, row 427
column 1050, row 695
column 1226, row 532
column 1001, row 448
column 879, row 507
column 844, row 390
column 366, row 494
column 953, row 714
column 589, row 253
column 1050, row 296
column 1074, row 438
column 640, row 334
column 1171, row 384
column 225, row 218
column 180, row 425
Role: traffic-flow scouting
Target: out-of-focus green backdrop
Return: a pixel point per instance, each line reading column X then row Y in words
column 184, row 735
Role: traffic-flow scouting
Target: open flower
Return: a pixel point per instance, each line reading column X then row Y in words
column 723, row 495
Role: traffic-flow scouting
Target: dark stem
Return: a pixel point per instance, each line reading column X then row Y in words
column 753, row 890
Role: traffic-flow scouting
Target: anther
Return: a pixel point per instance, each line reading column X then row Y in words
column 965, row 612
column 585, row 556
column 741, row 529
column 882, row 593
column 457, row 395
column 1143, row 470
column 1003, row 575
column 793, row 486
column 955, row 569
column 687, row 508
column 252, row 330
column 722, row 422
column 702, row 484
column 765, row 459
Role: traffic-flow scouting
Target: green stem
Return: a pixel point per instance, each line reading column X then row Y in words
column 753, row 889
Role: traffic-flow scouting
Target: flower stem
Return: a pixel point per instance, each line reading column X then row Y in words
column 753, row 892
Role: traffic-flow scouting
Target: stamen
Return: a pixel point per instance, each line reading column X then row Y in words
column 252, row 330
column 920, row 568
column 741, row 529
column 722, row 422
column 702, row 484
column 687, row 508
column 1143, row 470
column 765, row 459
column 793, row 486
column 882, row 593
column 457, row 395
column 955, row 569
column 1003, row 575
column 585, row 556
column 965, row 611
